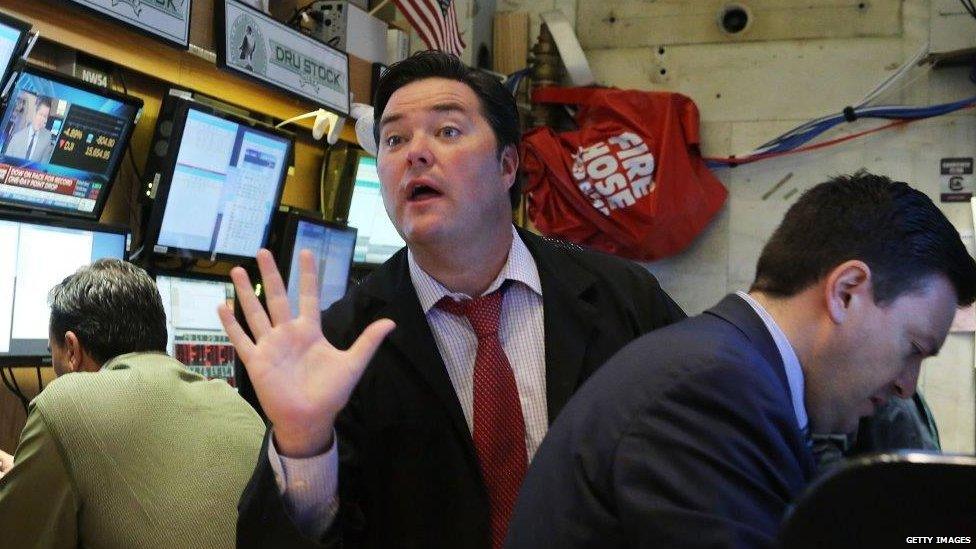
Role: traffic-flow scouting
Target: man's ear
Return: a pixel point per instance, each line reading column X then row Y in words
column 847, row 286
column 73, row 353
column 79, row 359
column 509, row 164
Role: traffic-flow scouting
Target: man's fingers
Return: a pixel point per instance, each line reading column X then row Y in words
column 308, row 298
column 365, row 346
column 240, row 340
column 257, row 319
column 275, row 294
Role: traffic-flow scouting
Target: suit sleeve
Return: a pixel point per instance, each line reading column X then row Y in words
column 655, row 306
column 263, row 519
column 38, row 498
column 709, row 465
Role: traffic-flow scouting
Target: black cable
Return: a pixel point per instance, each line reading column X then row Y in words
column 136, row 189
column 125, row 90
column 40, row 383
column 11, row 384
column 968, row 5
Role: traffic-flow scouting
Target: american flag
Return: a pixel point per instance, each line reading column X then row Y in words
column 436, row 23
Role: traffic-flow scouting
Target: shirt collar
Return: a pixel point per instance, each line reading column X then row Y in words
column 794, row 374
column 519, row 267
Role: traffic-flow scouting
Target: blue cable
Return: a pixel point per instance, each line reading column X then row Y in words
column 808, row 131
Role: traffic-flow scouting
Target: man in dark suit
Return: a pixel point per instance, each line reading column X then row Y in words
column 695, row 435
column 495, row 329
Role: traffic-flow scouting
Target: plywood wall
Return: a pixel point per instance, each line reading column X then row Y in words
column 798, row 60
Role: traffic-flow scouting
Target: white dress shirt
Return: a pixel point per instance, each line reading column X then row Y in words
column 794, row 374
column 309, row 485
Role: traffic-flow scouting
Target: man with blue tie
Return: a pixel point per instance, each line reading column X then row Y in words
column 698, row 434
column 34, row 141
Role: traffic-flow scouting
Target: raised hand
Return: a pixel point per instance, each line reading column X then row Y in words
column 301, row 380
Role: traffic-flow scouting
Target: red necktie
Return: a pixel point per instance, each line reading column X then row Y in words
column 499, row 429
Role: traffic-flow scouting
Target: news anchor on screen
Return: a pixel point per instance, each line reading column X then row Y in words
column 34, row 141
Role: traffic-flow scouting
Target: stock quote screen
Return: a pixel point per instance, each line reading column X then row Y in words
column 195, row 336
column 60, row 145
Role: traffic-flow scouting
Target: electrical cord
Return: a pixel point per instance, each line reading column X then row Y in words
column 796, row 143
column 136, row 188
column 12, row 385
column 968, row 4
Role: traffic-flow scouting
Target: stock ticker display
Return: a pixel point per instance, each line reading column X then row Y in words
column 195, row 336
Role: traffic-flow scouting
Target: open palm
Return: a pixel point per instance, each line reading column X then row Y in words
column 301, row 380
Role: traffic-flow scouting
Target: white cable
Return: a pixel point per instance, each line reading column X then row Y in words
column 897, row 75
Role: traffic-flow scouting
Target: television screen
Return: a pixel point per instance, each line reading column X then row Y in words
column 34, row 256
column 13, row 38
column 195, row 336
column 377, row 239
column 221, row 182
column 332, row 246
column 61, row 142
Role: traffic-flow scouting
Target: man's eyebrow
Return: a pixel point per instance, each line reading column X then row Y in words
column 446, row 106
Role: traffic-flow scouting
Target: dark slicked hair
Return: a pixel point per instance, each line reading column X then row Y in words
column 895, row 229
column 112, row 306
column 497, row 103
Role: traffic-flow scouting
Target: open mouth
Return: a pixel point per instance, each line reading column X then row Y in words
column 421, row 192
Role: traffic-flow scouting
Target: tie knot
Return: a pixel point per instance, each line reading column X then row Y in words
column 482, row 312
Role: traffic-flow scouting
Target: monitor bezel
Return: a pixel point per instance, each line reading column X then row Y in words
column 25, row 28
column 96, row 213
column 167, row 164
column 285, row 251
column 65, row 223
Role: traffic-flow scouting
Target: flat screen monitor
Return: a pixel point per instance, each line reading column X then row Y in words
column 220, row 180
column 331, row 244
column 14, row 35
column 61, row 142
column 35, row 255
column 377, row 239
column 195, row 336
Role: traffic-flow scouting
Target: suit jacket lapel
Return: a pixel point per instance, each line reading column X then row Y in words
column 412, row 338
column 736, row 311
column 569, row 321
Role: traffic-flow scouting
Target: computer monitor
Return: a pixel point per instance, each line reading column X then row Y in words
column 195, row 336
column 61, row 142
column 377, row 239
column 216, row 179
column 14, row 35
column 331, row 244
column 35, row 255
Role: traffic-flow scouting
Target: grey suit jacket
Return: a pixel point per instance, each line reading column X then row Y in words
column 43, row 145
